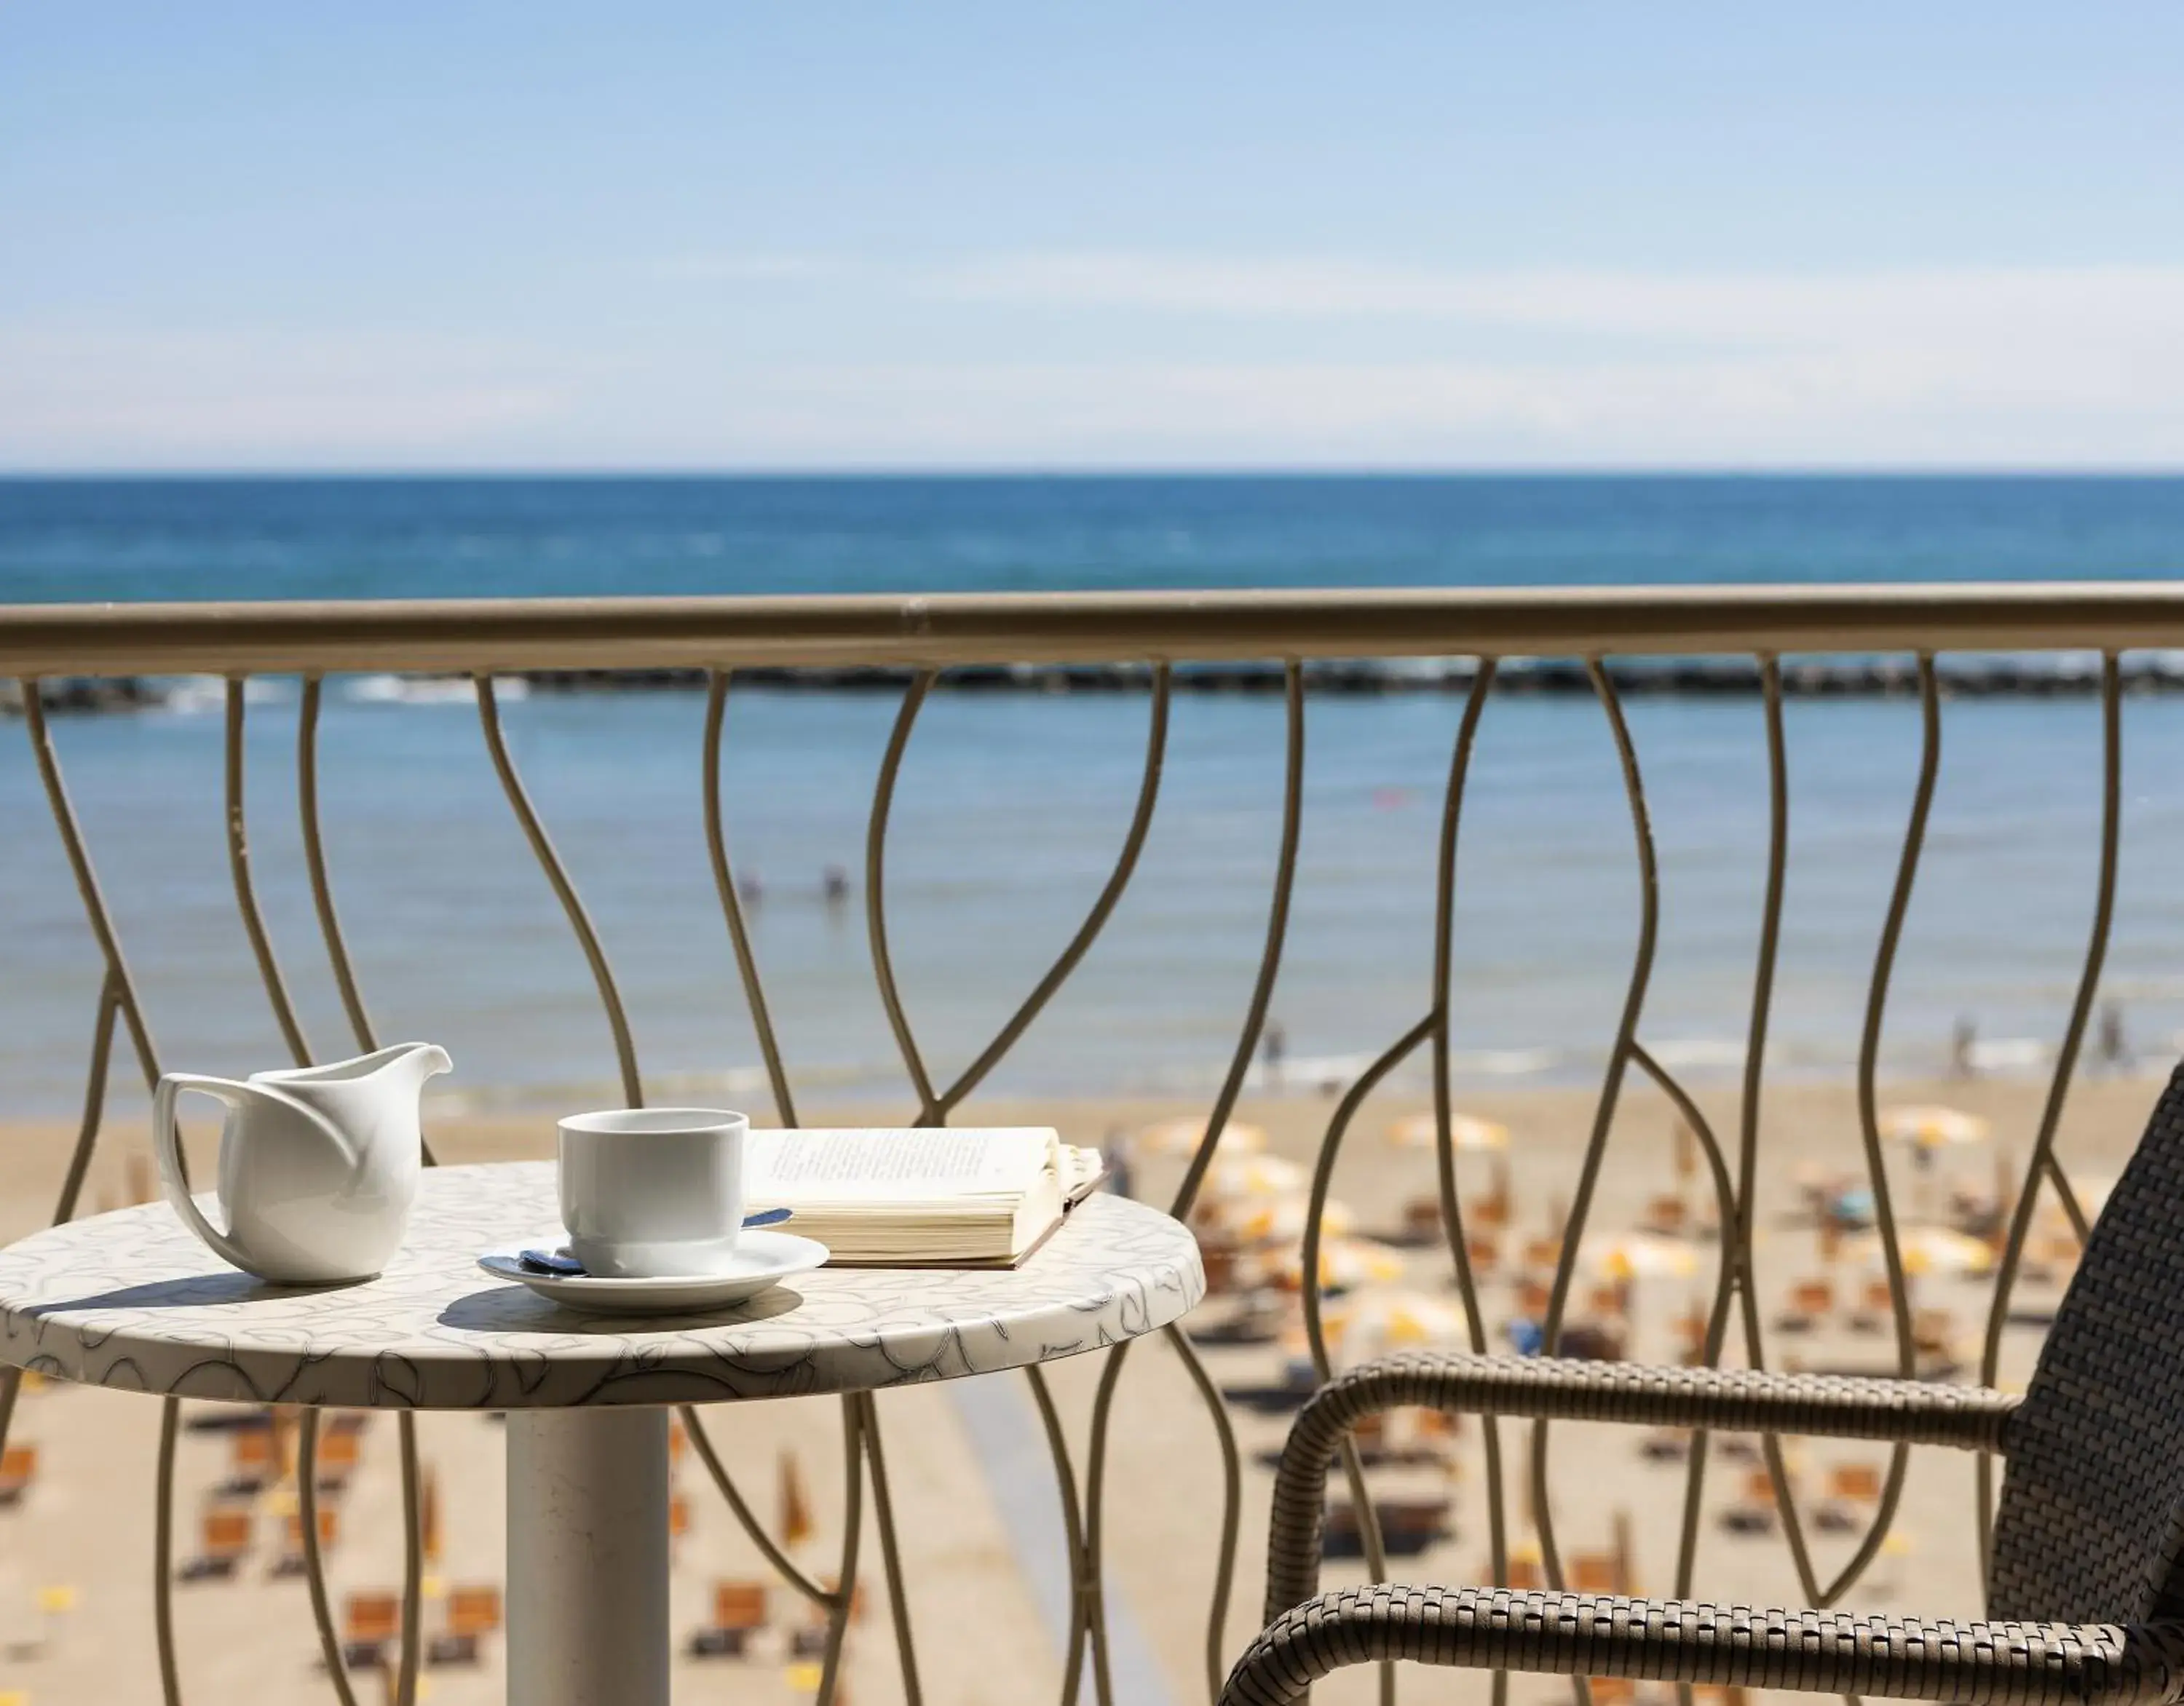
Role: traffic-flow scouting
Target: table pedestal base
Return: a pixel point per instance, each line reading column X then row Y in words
column 588, row 1557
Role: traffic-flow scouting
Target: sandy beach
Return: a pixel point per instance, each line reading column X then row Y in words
column 986, row 1617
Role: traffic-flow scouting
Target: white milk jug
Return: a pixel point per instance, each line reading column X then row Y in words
column 318, row 1165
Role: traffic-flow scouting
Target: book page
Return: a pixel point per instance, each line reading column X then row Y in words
column 785, row 1168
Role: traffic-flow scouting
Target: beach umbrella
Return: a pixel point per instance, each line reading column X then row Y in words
column 429, row 1517
column 1344, row 1265
column 1641, row 1255
column 1927, row 1250
column 1181, row 1138
column 1467, row 1131
column 1386, row 1318
column 795, row 1507
column 1932, row 1127
column 1280, row 1220
column 1233, row 1178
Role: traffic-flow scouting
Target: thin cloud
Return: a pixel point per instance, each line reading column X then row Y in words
column 1958, row 302
column 1108, row 366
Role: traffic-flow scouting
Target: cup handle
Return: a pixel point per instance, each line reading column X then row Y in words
column 167, row 1145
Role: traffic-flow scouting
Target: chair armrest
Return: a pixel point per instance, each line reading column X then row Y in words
column 1738, row 1400
column 1673, row 1641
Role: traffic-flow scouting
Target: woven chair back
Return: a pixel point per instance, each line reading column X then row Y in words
column 2088, row 1530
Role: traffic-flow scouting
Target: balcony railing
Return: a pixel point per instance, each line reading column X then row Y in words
column 1773, row 631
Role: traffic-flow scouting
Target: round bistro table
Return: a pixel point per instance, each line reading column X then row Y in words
column 131, row 1300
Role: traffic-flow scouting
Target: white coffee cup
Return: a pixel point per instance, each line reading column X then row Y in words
column 653, row 1193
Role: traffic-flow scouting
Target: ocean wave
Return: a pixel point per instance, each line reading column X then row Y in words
column 192, row 696
column 1505, row 1063
column 1701, row 1052
column 428, row 690
column 2009, row 1054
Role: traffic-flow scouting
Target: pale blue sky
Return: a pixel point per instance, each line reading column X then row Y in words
column 704, row 236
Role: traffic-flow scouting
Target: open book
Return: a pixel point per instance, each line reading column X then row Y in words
column 968, row 1198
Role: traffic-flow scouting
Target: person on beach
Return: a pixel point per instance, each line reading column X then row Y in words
column 1272, row 1046
column 2115, row 1054
column 835, row 885
column 1115, row 1158
column 1962, row 1044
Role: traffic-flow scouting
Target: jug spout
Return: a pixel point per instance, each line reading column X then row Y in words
column 414, row 1063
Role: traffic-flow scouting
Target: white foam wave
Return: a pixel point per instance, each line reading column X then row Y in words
column 1504, row 1063
column 191, row 696
column 1697, row 1050
column 2009, row 1054
column 427, row 690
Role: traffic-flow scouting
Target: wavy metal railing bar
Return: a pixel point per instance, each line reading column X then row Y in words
column 314, row 1575
column 1270, row 957
column 1731, row 1279
column 703, row 1444
column 413, row 1566
column 1095, row 920
column 928, row 1106
column 246, row 895
column 936, row 1107
column 1794, row 1536
column 1869, row 1120
column 2043, row 1158
column 284, row 1011
column 839, row 1602
column 1232, row 1506
column 929, row 1112
column 315, row 861
column 468, row 635
column 853, row 1529
column 367, row 1041
column 1086, row 1607
column 1734, row 1278
column 1452, row 1207
column 1818, row 1593
column 1619, row 1061
column 1315, row 1333
column 1734, row 1282
column 94, row 1108
column 1216, row 1121
column 245, row 891
column 1434, row 1026
column 163, row 1551
column 542, row 846
column 1702, row 1130
column 86, row 881
column 731, row 905
column 890, row 1555
column 147, row 1061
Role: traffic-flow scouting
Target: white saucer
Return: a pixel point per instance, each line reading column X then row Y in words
column 762, row 1260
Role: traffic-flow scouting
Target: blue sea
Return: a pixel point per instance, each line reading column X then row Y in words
column 1010, row 809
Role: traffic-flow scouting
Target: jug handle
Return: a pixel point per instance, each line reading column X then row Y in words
column 166, row 1142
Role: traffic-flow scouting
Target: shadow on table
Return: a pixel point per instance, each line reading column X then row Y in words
column 512, row 1309
column 192, row 1291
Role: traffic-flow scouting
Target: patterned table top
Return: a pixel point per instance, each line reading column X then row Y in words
column 131, row 1300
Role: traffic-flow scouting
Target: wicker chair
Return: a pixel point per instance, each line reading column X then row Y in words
column 2087, row 1580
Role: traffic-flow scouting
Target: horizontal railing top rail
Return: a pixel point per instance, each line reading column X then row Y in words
column 1077, row 627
